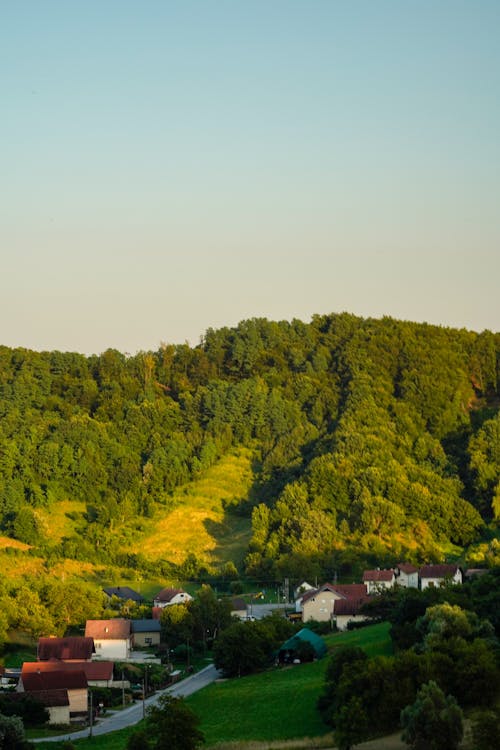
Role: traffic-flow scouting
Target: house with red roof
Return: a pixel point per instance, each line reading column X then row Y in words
column 318, row 604
column 51, row 685
column 98, row 673
column 167, row 597
column 112, row 638
column 439, row 575
column 378, row 580
column 73, row 648
column 407, row 575
column 346, row 611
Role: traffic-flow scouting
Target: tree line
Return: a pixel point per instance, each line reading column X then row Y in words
column 366, row 433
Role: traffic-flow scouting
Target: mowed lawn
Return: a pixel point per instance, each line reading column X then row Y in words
column 280, row 703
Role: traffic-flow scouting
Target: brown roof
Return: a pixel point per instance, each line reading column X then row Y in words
column 93, row 670
column 374, row 576
column 58, row 680
column 345, row 590
column 112, row 630
column 166, row 595
column 407, row 568
column 350, row 590
column 438, row 571
column 349, row 606
column 73, row 647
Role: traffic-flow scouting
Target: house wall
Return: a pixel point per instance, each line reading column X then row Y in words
column 78, row 700
column 146, row 639
column 319, row 607
column 181, row 598
column 343, row 620
column 430, row 582
column 376, row 587
column 58, row 714
column 112, row 649
column 408, row 580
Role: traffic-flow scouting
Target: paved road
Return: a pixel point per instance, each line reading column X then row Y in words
column 134, row 713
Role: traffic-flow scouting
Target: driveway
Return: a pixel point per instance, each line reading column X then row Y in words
column 135, row 712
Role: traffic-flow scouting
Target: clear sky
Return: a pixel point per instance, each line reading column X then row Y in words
column 169, row 166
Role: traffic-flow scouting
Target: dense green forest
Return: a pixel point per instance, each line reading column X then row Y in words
column 373, row 437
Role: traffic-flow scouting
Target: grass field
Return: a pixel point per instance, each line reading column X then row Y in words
column 279, row 704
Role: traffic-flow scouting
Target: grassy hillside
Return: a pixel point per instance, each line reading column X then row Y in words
column 278, row 704
column 202, row 521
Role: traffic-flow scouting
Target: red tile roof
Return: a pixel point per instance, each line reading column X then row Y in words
column 376, row 576
column 349, row 606
column 345, row 590
column 112, row 630
column 351, row 590
column 166, row 595
column 407, row 568
column 93, row 670
column 73, row 647
column 438, row 571
column 36, row 681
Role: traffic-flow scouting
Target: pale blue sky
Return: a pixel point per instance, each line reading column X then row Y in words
column 170, row 166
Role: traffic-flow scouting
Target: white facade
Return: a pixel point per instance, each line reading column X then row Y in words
column 408, row 580
column 441, row 581
column 112, row 650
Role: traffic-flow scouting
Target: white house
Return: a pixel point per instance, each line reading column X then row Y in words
column 112, row 638
column 439, row 575
column 167, row 597
column 377, row 581
column 407, row 576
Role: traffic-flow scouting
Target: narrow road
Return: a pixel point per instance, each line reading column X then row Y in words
column 135, row 713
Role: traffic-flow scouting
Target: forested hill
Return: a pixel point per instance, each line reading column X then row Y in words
column 366, row 434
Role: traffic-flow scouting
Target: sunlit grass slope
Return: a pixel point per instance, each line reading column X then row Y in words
column 202, row 521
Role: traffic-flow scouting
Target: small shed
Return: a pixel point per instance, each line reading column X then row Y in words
column 294, row 646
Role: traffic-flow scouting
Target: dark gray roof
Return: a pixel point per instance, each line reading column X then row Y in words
column 124, row 592
column 146, row 626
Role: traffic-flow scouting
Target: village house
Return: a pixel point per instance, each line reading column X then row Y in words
column 125, row 593
column 407, row 576
column 72, row 648
column 51, row 685
column 98, row 673
column 378, row 580
column 146, row 632
column 318, row 604
column 167, row 597
column 439, row 575
column 348, row 610
column 112, row 638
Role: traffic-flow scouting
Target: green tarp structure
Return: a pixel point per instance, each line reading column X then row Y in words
column 292, row 645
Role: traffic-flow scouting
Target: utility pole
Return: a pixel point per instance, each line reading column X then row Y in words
column 123, row 691
column 91, row 713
